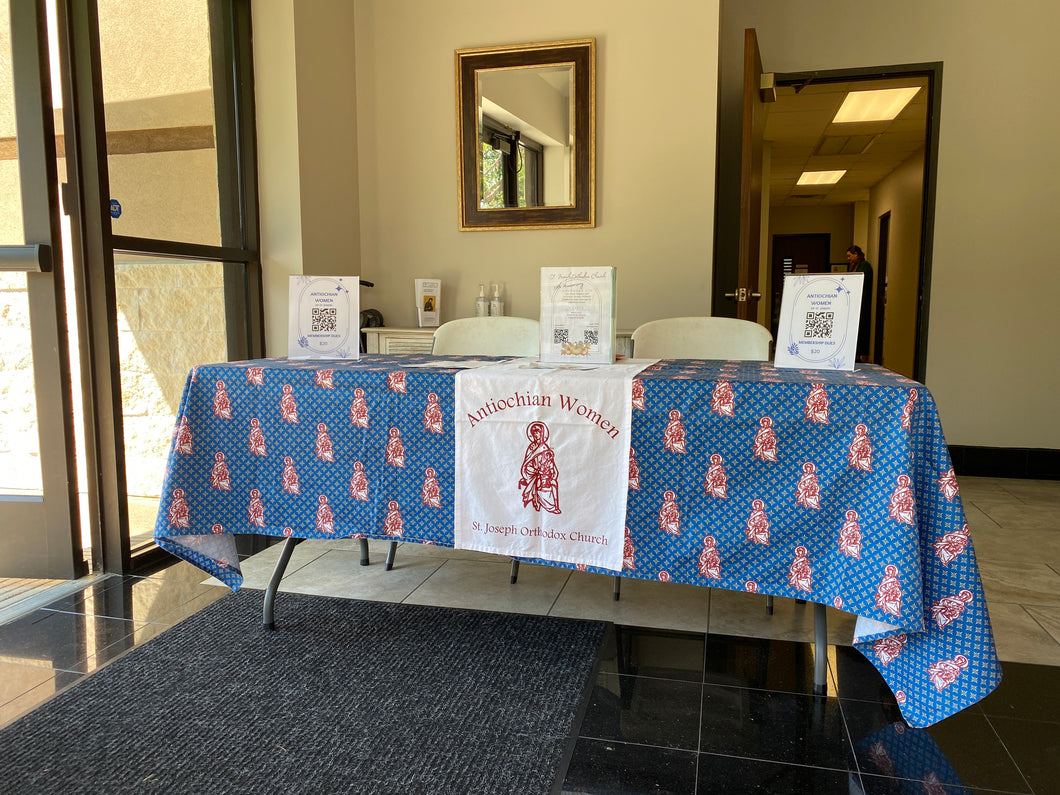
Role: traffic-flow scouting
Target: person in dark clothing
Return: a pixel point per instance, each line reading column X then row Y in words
column 856, row 263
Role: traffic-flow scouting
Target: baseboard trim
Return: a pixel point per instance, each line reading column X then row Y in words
column 1006, row 462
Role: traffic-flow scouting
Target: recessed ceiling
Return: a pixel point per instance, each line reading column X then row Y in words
column 803, row 138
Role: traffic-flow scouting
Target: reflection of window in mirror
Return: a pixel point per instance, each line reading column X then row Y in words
column 527, row 121
column 511, row 168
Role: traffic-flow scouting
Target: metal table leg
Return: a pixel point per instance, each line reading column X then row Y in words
column 820, row 649
column 391, row 553
column 364, row 551
column 274, row 582
column 515, row 572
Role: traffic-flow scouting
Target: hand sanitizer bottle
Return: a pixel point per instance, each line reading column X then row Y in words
column 482, row 304
column 496, row 303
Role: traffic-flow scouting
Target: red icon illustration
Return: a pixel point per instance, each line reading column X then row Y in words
column 800, row 573
column 256, row 509
column 325, row 379
column 359, row 409
column 716, row 483
column 179, row 515
column 952, row 544
column 949, row 608
column 674, row 435
column 638, row 394
column 256, row 376
column 430, row 494
column 395, row 382
column 432, row 415
column 324, row 450
column 219, row 477
column 670, row 514
column 888, row 649
column 393, row 525
column 757, row 529
column 816, row 409
column 723, row 400
column 325, row 519
column 634, row 471
column 256, row 440
column 184, row 446
column 808, row 491
column 945, row 672
column 889, row 592
column 850, row 535
column 539, row 476
column 289, row 478
column 288, row 407
column 395, row 449
column 765, row 445
column 948, row 484
column 222, row 404
column 859, row 454
column 710, row 559
column 902, row 507
column 358, row 483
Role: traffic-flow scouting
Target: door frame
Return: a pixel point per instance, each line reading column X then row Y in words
column 728, row 179
column 41, row 535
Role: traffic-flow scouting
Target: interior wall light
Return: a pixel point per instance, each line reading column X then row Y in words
column 820, row 177
column 879, row 105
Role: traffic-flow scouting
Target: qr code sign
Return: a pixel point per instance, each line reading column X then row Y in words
column 325, row 318
column 592, row 336
column 559, row 335
column 818, row 324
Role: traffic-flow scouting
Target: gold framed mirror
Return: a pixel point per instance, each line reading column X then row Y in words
column 526, row 135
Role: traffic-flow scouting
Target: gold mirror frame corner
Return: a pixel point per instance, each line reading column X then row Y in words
column 579, row 215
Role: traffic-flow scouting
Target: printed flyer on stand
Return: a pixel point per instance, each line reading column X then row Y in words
column 818, row 326
column 578, row 315
column 321, row 319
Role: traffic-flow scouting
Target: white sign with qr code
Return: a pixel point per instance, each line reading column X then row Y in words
column 818, row 326
column 323, row 317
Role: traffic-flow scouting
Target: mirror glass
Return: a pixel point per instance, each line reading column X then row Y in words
column 526, row 132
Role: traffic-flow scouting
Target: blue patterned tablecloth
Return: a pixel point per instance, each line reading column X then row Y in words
column 833, row 487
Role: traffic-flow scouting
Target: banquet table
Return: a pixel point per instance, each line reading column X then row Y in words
column 834, row 487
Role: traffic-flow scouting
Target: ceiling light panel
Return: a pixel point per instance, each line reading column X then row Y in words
column 821, row 177
column 879, row 105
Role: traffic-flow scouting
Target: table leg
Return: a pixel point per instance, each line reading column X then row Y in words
column 617, row 592
column 274, row 582
column 820, row 649
column 364, row 551
column 391, row 553
column 515, row 572
column 769, row 605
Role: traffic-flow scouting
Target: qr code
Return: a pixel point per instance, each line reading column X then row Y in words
column 592, row 336
column 818, row 324
column 325, row 318
column 559, row 335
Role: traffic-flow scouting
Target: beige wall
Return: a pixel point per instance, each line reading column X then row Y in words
column 656, row 108
column 900, row 194
column 996, row 279
column 992, row 361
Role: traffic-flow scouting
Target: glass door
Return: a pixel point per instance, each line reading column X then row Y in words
column 39, row 528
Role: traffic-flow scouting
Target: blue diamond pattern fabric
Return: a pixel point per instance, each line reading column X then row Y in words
column 834, row 487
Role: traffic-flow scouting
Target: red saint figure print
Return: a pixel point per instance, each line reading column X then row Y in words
column 710, row 559
column 325, row 519
column 219, row 477
column 184, row 446
column 395, row 449
column 765, row 446
column 538, row 476
column 395, row 382
column 629, row 553
column 952, row 544
column 393, row 524
column 289, row 478
column 638, row 394
column 945, row 672
column 432, row 415
column 750, row 586
column 816, row 409
column 888, row 649
column 757, row 529
column 325, row 379
column 324, row 450
column 800, row 573
column 359, row 409
column 256, row 376
column 902, row 507
column 716, row 483
column 634, row 471
column 948, row 484
column 859, row 454
column 723, row 400
column 430, row 494
column 288, row 407
column 674, row 435
column 850, row 535
column 949, row 608
column 222, row 404
column 256, row 440
column 670, row 515
column 907, row 410
column 358, row 483
column 256, row 509
column 889, row 592
column 808, row 491
column 179, row 515
column 217, row 529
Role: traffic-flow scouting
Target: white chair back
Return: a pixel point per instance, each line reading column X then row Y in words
column 702, row 338
column 488, row 336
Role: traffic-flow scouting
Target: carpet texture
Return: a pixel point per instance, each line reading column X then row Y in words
column 346, row 696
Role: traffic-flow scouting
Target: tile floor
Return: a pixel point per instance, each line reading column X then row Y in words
column 699, row 690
